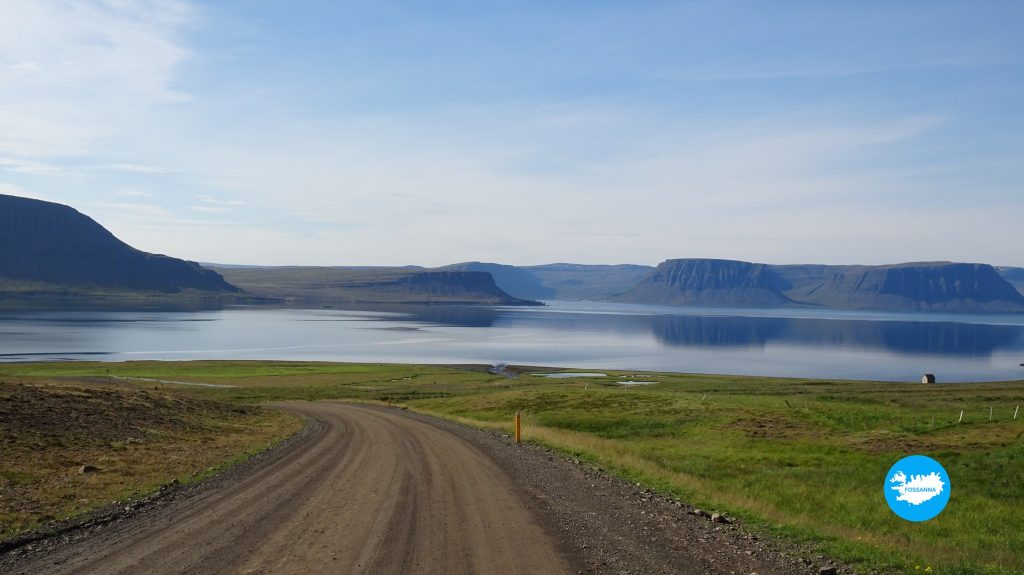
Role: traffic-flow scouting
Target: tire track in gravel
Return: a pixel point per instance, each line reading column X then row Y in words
column 366, row 491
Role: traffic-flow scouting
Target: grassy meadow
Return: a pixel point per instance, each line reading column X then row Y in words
column 803, row 459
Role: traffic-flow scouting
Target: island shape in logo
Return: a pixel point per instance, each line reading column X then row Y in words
column 917, row 488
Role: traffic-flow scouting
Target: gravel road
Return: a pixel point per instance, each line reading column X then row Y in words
column 373, row 490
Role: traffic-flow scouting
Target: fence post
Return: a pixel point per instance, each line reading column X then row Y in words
column 519, row 427
column 961, row 416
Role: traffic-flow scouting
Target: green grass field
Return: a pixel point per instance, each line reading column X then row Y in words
column 801, row 459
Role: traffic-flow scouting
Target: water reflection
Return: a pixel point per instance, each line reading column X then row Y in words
column 905, row 337
column 606, row 336
column 447, row 315
column 703, row 331
column 947, row 338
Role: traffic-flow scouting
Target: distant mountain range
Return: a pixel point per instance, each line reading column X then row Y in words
column 52, row 250
column 327, row 285
column 561, row 281
column 933, row 286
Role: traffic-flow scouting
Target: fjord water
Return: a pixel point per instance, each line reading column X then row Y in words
column 798, row 343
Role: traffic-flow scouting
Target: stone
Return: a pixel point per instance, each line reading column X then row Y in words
column 88, row 469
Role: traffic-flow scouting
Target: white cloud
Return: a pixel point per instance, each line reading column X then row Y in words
column 532, row 183
column 30, row 167
column 136, row 210
column 209, row 209
column 11, row 189
column 15, row 190
column 132, row 193
column 134, row 168
column 220, row 202
column 89, row 108
column 25, row 67
column 74, row 72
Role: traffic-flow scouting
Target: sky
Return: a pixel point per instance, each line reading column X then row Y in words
column 527, row 132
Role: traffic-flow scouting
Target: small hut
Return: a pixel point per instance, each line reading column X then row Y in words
column 928, row 378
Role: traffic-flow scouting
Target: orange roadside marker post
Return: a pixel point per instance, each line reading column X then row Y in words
column 519, row 427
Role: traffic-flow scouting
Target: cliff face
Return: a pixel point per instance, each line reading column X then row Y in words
column 454, row 285
column 708, row 282
column 952, row 287
column 1013, row 275
column 55, row 244
column 942, row 286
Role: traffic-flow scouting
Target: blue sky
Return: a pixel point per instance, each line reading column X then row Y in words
column 353, row 133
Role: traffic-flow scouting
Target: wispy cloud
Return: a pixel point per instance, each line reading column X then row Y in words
column 221, row 202
column 28, row 67
column 209, row 209
column 635, row 133
column 79, row 71
column 11, row 189
column 31, row 167
column 136, row 209
column 133, row 168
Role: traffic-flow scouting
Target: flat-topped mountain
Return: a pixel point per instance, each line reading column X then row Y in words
column 515, row 281
column 929, row 286
column 709, row 282
column 370, row 285
column 46, row 246
column 933, row 286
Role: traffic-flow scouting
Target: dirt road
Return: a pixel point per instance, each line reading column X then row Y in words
column 375, row 490
column 365, row 491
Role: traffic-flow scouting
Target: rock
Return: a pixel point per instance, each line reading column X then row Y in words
column 827, row 571
column 88, row 469
column 719, row 518
column 699, row 513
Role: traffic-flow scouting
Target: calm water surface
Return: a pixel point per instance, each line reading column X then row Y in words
column 799, row 343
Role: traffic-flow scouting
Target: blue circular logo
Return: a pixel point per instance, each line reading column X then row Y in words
column 917, row 488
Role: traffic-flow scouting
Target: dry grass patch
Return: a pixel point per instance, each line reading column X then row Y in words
column 135, row 439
